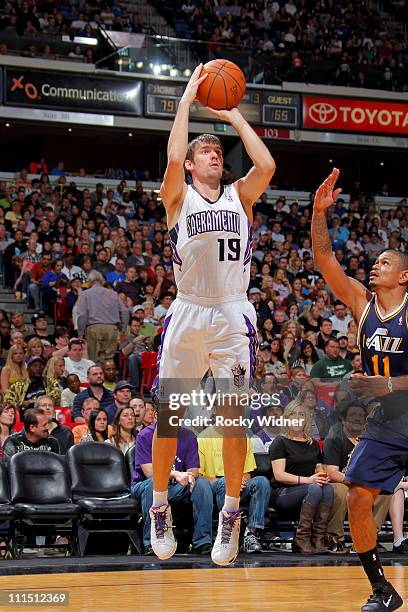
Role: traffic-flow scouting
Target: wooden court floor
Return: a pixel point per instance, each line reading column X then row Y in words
column 314, row 589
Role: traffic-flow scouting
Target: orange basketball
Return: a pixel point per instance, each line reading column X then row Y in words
column 225, row 86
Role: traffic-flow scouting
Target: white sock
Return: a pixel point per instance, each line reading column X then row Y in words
column 160, row 498
column 231, row 504
column 398, row 542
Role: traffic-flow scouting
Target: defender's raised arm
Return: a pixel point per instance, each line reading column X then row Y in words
column 347, row 289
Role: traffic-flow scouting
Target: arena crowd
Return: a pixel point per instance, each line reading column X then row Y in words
column 348, row 36
column 97, row 268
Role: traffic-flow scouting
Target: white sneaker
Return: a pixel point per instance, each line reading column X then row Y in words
column 161, row 532
column 225, row 549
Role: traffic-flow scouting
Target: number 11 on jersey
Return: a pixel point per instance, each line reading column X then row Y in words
column 385, row 365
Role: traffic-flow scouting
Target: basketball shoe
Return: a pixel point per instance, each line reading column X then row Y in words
column 161, row 532
column 225, row 549
column 383, row 599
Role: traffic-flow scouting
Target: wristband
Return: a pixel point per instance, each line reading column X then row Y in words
column 389, row 384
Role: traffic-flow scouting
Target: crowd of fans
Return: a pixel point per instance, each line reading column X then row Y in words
column 57, row 19
column 351, row 34
column 99, row 263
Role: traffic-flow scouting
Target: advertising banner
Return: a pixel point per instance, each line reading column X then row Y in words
column 72, row 92
column 355, row 115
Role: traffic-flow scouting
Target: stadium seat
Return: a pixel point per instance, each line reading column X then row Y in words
column 130, row 460
column 100, row 486
column 263, row 465
column 148, row 369
column 18, row 425
column 123, row 366
column 41, row 496
column 63, row 415
column 7, row 511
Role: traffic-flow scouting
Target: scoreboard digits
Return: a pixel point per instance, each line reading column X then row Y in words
column 258, row 106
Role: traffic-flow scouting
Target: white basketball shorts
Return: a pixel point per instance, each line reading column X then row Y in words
column 197, row 337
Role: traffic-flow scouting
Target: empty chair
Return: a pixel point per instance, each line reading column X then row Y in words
column 100, row 486
column 148, row 369
column 41, row 496
column 130, row 461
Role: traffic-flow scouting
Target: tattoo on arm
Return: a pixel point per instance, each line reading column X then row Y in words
column 321, row 238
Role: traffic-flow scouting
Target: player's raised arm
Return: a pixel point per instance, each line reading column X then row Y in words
column 251, row 186
column 348, row 290
column 173, row 186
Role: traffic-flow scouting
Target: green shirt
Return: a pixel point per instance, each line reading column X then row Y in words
column 148, row 330
column 5, row 203
column 330, row 368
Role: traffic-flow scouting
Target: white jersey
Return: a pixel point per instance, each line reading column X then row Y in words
column 212, row 247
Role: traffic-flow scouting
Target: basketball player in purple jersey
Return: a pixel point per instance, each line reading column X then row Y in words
column 379, row 460
column 211, row 324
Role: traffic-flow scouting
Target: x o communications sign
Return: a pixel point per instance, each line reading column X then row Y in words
column 73, row 91
column 350, row 115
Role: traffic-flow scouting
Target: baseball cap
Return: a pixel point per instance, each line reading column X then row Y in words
column 264, row 345
column 254, row 290
column 38, row 315
column 122, row 384
column 31, row 360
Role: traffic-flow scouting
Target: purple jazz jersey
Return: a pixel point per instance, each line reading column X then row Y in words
column 186, row 457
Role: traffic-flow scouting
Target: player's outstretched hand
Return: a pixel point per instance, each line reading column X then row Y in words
column 227, row 116
column 368, row 386
column 325, row 196
column 190, row 92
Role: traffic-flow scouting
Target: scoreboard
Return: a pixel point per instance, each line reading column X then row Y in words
column 258, row 106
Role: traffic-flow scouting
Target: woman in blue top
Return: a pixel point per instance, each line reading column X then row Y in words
column 50, row 282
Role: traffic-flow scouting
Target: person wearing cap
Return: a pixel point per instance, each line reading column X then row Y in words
column 344, row 353
column 23, row 393
column 261, row 308
column 100, row 315
column 40, row 328
column 122, row 394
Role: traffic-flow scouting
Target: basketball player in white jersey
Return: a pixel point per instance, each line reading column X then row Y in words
column 211, row 324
